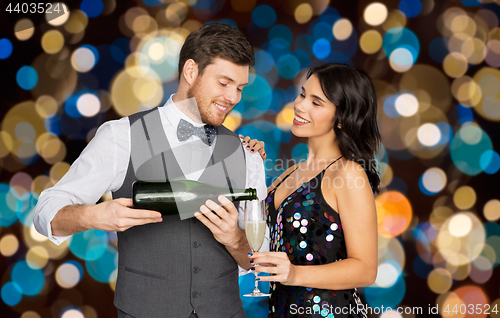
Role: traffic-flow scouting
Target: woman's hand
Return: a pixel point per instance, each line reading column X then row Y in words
column 254, row 145
column 277, row 264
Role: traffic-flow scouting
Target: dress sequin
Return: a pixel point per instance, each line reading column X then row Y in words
column 310, row 232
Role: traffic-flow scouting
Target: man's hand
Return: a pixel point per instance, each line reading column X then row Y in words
column 254, row 145
column 222, row 222
column 116, row 215
column 108, row 216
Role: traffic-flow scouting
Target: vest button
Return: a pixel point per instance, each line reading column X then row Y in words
column 195, row 295
column 196, row 270
column 196, row 244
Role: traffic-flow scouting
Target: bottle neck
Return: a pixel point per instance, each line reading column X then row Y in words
column 247, row 194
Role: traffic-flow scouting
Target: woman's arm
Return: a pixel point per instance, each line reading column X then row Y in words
column 356, row 205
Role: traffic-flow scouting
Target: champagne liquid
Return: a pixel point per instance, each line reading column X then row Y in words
column 256, row 231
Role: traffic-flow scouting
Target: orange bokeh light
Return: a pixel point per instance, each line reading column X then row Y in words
column 394, row 213
column 466, row 301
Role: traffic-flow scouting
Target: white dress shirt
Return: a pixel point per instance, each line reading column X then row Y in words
column 103, row 164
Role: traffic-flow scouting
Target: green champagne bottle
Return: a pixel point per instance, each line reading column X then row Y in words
column 182, row 197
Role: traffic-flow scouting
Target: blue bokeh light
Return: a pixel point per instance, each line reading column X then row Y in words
column 11, row 293
column 465, row 114
column 206, row 9
column 89, row 245
column 421, row 236
column 92, row 8
column 304, row 42
column 471, row 3
column 277, row 47
column 264, row 16
column 303, row 57
column 264, row 62
column 278, row 100
column 438, row 49
column 288, row 66
column 446, row 133
column 25, row 207
column 200, row 4
column 255, row 98
column 152, row 3
column 398, row 184
column 255, row 307
column 291, row 93
column 300, row 152
column 102, row 267
column 390, row 106
column 70, row 107
column 387, row 297
column 106, row 67
column 423, row 188
column 422, row 268
column 347, row 47
column 27, row 77
column 330, row 15
column 29, row 279
column 401, row 38
column 52, row 125
column 336, row 57
column 322, row 30
column 410, row 8
column 492, row 229
column 5, row 48
column 229, row 22
column 466, row 155
column 321, row 48
column 281, row 31
column 7, row 214
column 119, row 50
column 490, row 161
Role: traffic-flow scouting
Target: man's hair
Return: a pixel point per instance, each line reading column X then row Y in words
column 216, row 40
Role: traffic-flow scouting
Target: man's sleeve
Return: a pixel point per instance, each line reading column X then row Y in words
column 100, row 168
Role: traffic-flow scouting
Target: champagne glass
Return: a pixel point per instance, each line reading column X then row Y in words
column 255, row 229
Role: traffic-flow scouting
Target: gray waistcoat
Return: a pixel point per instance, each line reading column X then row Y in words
column 168, row 269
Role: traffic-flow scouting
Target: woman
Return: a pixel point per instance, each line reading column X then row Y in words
column 321, row 212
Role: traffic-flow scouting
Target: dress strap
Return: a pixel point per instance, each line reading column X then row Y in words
column 276, row 187
column 322, row 172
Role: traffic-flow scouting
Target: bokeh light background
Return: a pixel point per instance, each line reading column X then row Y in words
column 434, row 65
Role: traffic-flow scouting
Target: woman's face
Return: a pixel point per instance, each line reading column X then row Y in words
column 314, row 113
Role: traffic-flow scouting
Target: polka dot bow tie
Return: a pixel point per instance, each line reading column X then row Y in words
column 205, row 133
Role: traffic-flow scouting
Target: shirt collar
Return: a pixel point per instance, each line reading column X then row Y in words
column 174, row 114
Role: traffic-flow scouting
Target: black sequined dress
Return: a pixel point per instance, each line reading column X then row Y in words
column 310, row 232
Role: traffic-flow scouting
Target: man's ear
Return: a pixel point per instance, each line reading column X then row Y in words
column 190, row 71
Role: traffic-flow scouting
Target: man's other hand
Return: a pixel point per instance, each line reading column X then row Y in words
column 116, row 215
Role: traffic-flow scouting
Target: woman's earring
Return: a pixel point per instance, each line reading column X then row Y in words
column 339, row 126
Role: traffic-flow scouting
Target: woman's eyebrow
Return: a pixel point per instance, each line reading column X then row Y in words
column 314, row 96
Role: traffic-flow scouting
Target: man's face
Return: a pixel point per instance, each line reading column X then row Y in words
column 218, row 90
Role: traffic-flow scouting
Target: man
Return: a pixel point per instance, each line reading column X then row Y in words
column 169, row 267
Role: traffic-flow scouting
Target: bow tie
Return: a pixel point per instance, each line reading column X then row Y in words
column 186, row 130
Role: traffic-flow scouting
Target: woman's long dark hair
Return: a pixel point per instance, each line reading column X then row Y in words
column 352, row 92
